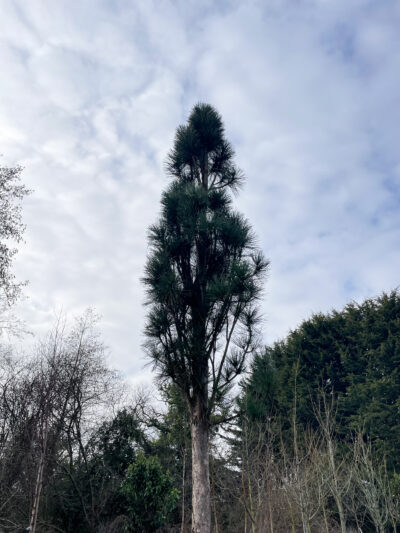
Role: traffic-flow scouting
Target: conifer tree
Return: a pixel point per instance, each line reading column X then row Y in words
column 203, row 278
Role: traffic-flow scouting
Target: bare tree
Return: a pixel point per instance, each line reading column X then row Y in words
column 325, row 413
column 372, row 488
column 47, row 404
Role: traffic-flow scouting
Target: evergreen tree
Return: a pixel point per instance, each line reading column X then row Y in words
column 203, row 278
column 353, row 354
column 149, row 493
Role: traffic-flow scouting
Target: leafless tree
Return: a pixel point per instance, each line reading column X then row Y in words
column 325, row 413
column 47, row 405
column 372, row 493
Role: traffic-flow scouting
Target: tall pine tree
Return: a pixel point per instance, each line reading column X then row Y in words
column 203, row 278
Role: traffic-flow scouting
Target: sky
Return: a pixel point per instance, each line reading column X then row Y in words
column 92, row 91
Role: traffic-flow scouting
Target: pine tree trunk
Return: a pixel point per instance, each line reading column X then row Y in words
column 201, row 514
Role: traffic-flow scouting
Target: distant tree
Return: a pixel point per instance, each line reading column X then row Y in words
column 11, row 229
column 203, row 279
column 149, row 493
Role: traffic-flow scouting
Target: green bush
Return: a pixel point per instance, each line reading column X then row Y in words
column 150, row 494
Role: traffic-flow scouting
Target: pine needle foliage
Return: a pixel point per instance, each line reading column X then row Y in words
column 204, row 272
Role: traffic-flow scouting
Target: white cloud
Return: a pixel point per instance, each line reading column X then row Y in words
column 92, row 93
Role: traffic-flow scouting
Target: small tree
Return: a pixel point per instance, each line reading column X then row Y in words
column 203, row 278
column 371, row 482
column 150, row 494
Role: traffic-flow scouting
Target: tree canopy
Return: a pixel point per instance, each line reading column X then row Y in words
column 204, row 272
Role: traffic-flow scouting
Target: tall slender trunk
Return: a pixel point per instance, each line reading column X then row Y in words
column 39, row 478
column 201, row 512
column 36, row 498
column 336, row 488
column 271, row 517
column 253, row 524
column 325, row 518
column 304, row 521
column 292, row 521
column 244, row 499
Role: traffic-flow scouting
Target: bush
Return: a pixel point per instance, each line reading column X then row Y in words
column 150, row 494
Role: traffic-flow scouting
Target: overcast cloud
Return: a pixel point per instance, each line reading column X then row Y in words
column 91, row 93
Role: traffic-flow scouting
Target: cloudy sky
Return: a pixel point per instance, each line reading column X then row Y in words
column 91, row 93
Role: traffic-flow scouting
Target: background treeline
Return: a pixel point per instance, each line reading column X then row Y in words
column 319, row 432
column 312, row 445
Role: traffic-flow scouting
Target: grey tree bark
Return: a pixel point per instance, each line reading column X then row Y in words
column 201, row 517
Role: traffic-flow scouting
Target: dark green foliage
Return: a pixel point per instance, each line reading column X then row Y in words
column 203, row 274
column 117, row 441
column 174, row 427
column 199, row 143
column 149, row 494
column 354, row 354
column 86, row 490
column 259, row 398
column 173, row 446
